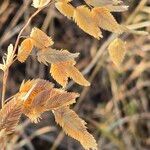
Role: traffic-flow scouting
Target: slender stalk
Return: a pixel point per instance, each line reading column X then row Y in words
column 5, row 76
column 20, row 33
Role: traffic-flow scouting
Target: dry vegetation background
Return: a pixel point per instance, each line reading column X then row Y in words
column 116, row 105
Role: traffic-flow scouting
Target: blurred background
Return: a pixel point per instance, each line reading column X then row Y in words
column 116, row 105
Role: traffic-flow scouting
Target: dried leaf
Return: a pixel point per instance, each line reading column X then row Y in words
column 65, row 8
column 25, row 49
column 64, row 70
column 40, row 39
column 117, row 51
column 105, row 20
column 85, row 20
column 40, row 3
column 50, row 55
column 74, row 127
column 9, row 115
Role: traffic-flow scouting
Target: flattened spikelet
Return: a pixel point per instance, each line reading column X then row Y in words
column 38, row 86
column 43, row 97
column 34, row 102
column 119, row 8
column 64, row 70
column 77, row 76
column 59, row 72
column 9, row 115
column 84, row 19
column 36, row 106
column 25, row 49
column 99, row 3
column 26, row 86
column 58, row 98
column 50, row 55
column 105, row 19
column 117, row 51
column 65, row 8
column 40, row 39
column 75, row 127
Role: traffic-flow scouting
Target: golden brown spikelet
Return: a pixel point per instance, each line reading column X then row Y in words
column 98, row 3
column 58, row 98
column 36, row 107
column 75, row 127
column 65, row 8
column 43, row 97
column 50, row 55
column 37, row 86
column 59, row 73
column 10, row 115
column 63, row 70
column 118, row 8
column 117, row 51
column 77, row 76
column 40, row 39
column 25, row 49
column 26, row 86
column 40, row 3
column 85, row 20
column 105, row 20
column 34, row 103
